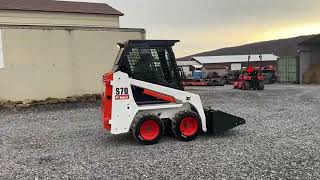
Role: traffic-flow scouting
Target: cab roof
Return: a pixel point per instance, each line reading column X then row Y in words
column 150, row 43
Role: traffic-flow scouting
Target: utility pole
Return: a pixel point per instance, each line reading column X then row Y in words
column 249, row 57
column 260, row 62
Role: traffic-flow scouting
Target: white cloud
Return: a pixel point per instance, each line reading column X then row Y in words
column 209, row 24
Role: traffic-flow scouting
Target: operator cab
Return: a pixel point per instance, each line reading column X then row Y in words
column 151, row 61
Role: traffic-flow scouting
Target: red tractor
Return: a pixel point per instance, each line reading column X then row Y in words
column 251, row 78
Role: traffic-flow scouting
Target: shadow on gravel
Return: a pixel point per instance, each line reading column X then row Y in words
column 227, row 134
column 127, row 139
column 121, row 139
column 53, row 107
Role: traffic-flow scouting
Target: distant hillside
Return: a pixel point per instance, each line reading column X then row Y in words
column 281, row 47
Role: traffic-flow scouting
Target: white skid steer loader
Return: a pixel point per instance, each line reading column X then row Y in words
column 144, row 95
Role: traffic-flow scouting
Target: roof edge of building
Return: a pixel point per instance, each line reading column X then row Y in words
column 44, row 27
column 59, row 6
column 229, row 59
column 236, row 55
column 67, row 12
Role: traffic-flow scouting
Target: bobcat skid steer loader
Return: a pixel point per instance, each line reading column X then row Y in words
column 144, row 95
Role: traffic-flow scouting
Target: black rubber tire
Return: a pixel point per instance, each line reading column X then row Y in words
column 246, row 85
column 167, row 127
column 255, row 86
column 260, row 85
column 235, row 87
column 136, row 124
column 267, row 81
column 176, row 125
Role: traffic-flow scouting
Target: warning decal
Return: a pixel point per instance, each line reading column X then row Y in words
column 122, row 97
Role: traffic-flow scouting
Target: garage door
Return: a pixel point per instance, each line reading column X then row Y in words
column 288, row 70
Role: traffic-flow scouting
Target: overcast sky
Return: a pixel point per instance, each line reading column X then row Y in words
column 204, row 25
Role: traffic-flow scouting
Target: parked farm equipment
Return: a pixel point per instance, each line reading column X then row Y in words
column 250, row 78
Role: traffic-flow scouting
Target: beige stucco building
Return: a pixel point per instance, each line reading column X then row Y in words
column 57, row 49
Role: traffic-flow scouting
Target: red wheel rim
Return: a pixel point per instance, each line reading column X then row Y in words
column 149, row 130
column 189, row 126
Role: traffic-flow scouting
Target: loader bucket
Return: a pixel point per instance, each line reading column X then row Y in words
column 218, row 121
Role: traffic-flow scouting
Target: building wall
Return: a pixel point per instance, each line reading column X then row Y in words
column 57, row 19
column 315, row 59
column 305, row 62
column 221, row 72
column 309, row 56
column 42, row 62
column 1, row 53
column 186, row 70
column 288, row 70
column 187, row 66
column 188, row 63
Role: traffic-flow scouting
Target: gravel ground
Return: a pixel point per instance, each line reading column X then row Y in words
column 281, row 140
